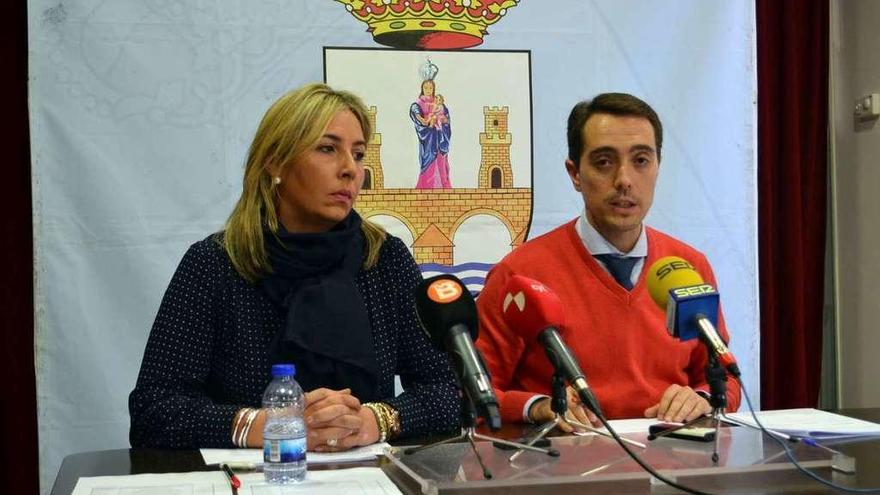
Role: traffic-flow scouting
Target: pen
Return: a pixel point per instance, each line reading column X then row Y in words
column 813, row 443
column 233, row 479
column 245, row 466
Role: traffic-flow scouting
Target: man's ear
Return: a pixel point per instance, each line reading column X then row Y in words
column 573, row 169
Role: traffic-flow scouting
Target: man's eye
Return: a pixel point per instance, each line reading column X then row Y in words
column 643, row 160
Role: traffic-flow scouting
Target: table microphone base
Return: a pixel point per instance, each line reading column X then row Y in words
column 542, row 432
column 716, row 377
column 715, row 416
column 469, row 433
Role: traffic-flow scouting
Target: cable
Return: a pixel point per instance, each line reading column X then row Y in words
column 790, row 454
column 644, row 464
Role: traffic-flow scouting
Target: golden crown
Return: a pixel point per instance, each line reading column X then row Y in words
column 429, row 24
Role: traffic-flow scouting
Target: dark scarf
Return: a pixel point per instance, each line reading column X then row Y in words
column 326, row 331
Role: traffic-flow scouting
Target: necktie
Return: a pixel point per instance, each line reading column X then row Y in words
column 621, row 268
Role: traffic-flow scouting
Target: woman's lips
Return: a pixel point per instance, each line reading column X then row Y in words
column 343, row 196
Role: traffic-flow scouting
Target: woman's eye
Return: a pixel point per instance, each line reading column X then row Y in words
column 359, row 156
column 325, row 148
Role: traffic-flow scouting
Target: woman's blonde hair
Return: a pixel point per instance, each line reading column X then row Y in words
column 290, row 127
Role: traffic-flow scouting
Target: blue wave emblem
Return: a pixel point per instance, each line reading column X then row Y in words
column 472, row 274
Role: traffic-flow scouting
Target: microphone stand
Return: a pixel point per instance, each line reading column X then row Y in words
column 716, row 376
column 559, row 405
column 468, row 431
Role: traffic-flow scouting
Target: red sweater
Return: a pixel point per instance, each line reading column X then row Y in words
column 618, row 336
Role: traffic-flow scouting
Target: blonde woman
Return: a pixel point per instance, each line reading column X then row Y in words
column 295, row 276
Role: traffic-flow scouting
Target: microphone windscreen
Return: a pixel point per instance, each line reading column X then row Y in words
column 442, row 302
column 670, row 272
column 530, row 307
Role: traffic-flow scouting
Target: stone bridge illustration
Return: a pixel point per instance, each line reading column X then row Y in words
column 433, row 216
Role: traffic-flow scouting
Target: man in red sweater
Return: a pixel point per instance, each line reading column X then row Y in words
column 597, row 264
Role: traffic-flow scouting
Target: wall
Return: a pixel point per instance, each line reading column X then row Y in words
column 855, row 70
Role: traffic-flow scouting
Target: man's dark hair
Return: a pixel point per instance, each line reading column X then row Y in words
column 621, row 104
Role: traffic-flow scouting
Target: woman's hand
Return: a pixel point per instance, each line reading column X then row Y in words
column 368, row 434
column 331, row 416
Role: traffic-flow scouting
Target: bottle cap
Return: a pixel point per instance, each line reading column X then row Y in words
column 283, row 370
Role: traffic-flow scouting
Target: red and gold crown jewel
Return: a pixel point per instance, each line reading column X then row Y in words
column 429, row 24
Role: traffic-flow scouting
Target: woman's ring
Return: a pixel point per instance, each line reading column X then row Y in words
column 332, row 442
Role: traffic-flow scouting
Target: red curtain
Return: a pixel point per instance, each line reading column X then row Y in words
column 792, row 43
column 18, row 415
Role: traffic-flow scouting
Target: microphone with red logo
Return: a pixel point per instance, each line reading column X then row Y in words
column 691, row 306
column 448, row 315
column 534, row 311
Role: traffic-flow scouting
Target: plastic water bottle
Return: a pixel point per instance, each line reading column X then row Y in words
column 284, row 435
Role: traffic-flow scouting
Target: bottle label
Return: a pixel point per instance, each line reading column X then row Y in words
column 287, row 450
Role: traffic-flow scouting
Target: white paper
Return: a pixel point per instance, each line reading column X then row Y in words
column 366, row 481
column 255, row 456
column 626, row 426
column 197, row 483
column 809, row 422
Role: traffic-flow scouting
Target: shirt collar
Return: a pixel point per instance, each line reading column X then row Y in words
column 596, row 244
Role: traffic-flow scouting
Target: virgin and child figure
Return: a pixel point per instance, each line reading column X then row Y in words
column 430, row 115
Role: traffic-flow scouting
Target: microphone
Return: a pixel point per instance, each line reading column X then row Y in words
column 534, row 311
column 691, row 306
column 448, row 314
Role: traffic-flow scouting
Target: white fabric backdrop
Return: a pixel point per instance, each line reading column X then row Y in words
column 142, row 110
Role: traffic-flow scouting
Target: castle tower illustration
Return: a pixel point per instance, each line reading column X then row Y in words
column 495, row 171
column 373, row 177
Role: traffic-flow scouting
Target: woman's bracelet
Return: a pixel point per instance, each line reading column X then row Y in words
column 387, row 420
column 244, row 419
column 393, row 421
column 237, row 424
column 252, row 414
column 380, row 422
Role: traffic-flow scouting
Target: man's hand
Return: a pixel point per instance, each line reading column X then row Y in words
column 679, row 404
column 332, row 416
column 541, row 412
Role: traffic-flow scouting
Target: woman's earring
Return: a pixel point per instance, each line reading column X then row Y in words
column 276, row 180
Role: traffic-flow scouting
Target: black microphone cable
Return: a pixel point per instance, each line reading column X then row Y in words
column 647, row 467
column 790, row 454
column 783, row 443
